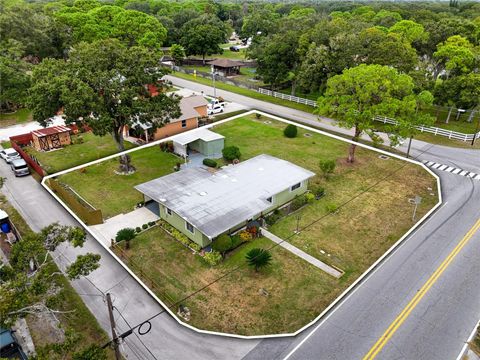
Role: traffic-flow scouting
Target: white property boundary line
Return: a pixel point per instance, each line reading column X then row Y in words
column 342, row 297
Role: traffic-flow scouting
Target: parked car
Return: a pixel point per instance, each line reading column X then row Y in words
column 20, row 167
column 9, row 347
column 214, row 109
column 218, row 101
column 9, row 154
column 234, row 48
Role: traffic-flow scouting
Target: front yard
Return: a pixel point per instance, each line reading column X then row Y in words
column 114, row 194
column 90, row 148
column 372, row 196
column 279, row 299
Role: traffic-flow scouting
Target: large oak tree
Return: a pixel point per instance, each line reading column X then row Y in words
column 103, row 84
column 359, row 94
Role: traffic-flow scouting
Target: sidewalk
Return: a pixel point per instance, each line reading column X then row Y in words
column 308, row 258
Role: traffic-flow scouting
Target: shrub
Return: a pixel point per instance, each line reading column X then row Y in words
column 327, row 167
column 331, row 208
column 258, row 258
column 222, row 244
column 290, row 131
column 195, row 246
column 272, row 219
column 125, row 234
column 231, row 153
column 235, row 241
column 318, row 192
column 309, row 197
column 245, row 235
column 210, row 163
column 253, row 230
column 258, row 116
column 145, row 226
column 212, row 258
column 138, row 229
column 298, row 202
column 151, row 223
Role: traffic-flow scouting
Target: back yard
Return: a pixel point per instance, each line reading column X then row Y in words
column 112, row 193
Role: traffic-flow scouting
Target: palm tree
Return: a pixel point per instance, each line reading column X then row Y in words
column 258, row 258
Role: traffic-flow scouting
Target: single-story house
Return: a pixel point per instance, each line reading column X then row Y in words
column 53, row 137
column 200, row 140
column 204, row 204
column 226, row 67
column 192, row 108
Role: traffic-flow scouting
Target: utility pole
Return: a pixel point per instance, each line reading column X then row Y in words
column 118, row 356
column 213, row 78
column 476, row 131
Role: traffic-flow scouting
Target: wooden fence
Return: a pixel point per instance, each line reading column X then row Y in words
column 79, row 206
column 138, row 269
column 433, row 130
column 287, row 97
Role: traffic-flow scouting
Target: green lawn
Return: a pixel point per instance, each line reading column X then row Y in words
column 234, row 304
column 112, row 193
column 19, row 117
column 93, row 148
column 245, row 92
column 374, row 213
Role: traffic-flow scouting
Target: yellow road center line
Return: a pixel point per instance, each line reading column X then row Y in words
column 383, row 340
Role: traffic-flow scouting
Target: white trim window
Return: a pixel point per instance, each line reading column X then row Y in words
column 168, row 211
column 295, row 187
column 189, row 227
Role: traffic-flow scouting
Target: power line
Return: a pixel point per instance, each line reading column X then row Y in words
column 273, row 246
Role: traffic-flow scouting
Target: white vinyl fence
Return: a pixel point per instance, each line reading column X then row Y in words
column 433, row 130
column 287, row 97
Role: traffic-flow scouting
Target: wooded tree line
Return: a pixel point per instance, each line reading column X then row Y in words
column 297, row 46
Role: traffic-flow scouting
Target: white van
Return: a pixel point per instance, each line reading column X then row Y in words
column 20, row 167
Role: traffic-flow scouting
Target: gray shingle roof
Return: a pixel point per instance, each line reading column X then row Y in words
column 217, row 202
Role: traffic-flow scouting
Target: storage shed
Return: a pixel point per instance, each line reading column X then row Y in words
column 200, row 140
column 53, row 137
column 226, row 67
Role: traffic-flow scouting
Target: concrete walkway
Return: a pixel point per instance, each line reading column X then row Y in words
column 308, row 258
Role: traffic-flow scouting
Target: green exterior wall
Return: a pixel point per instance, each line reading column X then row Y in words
column 179, row 223
column 280, row 199
column 208, row 148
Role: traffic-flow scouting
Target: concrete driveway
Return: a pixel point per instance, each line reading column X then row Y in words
column 136, row 218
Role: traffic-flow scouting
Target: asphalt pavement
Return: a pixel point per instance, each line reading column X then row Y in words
column 436, row 328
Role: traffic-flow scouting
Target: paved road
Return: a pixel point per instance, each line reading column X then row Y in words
column 436, row 329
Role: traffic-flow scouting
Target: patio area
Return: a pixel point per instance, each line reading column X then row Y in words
column 108, row 230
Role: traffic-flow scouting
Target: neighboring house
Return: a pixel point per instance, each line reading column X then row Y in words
column 192, row 108
column 203, row 204
column 226, row 67
column 53, row 137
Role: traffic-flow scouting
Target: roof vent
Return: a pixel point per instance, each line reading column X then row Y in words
column 234, row 180
column 224, row 176
column 260, row 169
column 203, row 193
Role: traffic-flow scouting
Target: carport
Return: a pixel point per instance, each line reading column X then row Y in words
column 203, row 141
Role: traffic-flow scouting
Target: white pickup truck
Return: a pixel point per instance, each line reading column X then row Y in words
column 216, row 106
